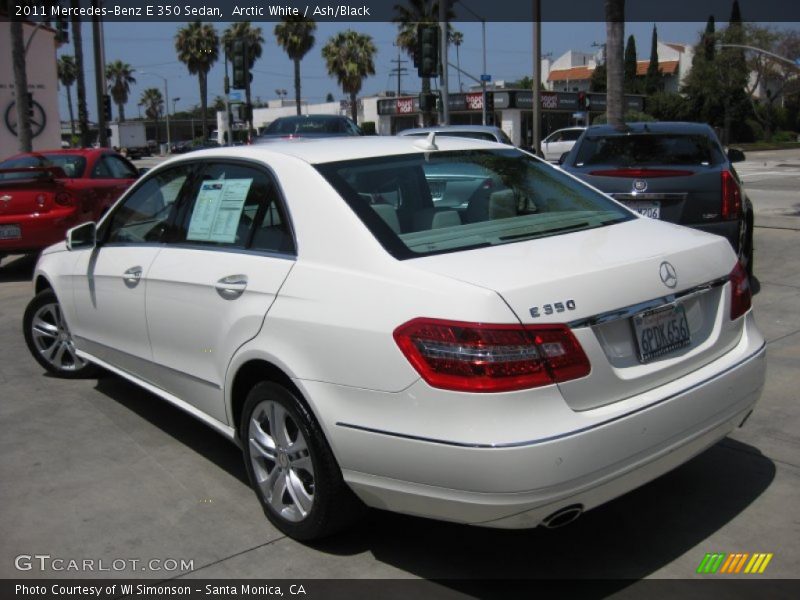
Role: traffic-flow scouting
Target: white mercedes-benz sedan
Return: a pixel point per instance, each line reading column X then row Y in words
column 442, row 327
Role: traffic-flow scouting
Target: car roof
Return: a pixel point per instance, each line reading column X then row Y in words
column 680, row 127
column 308, row 117
column 324, row 150
column 444, row 128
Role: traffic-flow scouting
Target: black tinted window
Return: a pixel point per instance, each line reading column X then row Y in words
column 72, row 165
column 646, row 149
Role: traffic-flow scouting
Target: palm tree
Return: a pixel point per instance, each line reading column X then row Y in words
column 120, row 77
column 77, row 42
column 296, row 36
column 615, row 34
column 457, row 38
column 153, row 103
column 197, row 46
column 242, row 30
column 67, row 73
column 24, row 133
column 408, row 19
column 349, row 56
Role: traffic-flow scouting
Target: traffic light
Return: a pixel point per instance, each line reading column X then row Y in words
column 30, row 105
column 241, row 65
column 427, row 54
column 107, row 107
column 489, row 102
column 62, row 30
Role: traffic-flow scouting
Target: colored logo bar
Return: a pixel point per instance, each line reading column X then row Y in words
column 735, row 563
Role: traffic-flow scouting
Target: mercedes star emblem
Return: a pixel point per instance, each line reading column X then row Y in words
column 669, row 277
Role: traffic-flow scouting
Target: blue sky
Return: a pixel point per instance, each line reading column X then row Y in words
column 149, row 47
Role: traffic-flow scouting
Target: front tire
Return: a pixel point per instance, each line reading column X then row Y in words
column 291, row 468
column 49, row 339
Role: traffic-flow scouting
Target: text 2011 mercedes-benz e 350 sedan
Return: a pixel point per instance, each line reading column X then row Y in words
column 442, row 327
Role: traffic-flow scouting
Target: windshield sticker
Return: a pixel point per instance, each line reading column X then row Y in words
column 217, row 210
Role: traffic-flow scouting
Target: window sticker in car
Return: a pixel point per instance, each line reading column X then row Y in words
column 217, row 210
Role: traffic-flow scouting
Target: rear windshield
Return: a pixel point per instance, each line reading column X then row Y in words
column 423, row 204
column 72, row 164
column 647, row 149
column 293, row 125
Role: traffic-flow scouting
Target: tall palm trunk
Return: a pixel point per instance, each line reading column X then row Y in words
column 615, row 32
column 353, row 107
column 120, row 112
column 83, row 111
column 202, row 78
column 297, row 85
column 71, row 114
column 24, row 134
column 427, row 116
column 458, row 64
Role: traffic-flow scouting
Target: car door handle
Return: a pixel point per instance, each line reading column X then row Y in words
column 231, row 287
column 132, row 276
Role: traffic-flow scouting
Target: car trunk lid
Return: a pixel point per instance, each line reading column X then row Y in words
column 35, row 193
column 597, row 281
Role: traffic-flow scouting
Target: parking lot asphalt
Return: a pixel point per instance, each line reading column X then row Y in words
column 99, row 469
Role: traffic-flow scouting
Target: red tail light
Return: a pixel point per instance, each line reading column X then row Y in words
column 473, row 357
column 731, row 197
column 649, row 173
column 63, row 199
column 741, row 295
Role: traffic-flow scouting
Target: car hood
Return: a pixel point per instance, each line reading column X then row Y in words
column 598, row 270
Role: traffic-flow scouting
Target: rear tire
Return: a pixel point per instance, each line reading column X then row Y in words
column 49, row 339
column 291, row 467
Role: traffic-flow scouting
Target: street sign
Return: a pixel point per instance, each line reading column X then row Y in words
column 236, row 96
column 486, row 77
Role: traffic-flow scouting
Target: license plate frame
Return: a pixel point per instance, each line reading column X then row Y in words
column 10, row 232
column 646, row 208
column 660, row 331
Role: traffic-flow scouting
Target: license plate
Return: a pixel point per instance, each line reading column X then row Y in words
column 661, row 331
column 10, row 232
column 650, row 208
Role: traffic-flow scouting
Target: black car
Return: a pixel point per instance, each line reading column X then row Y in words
column 308, row 126
column 676, row 172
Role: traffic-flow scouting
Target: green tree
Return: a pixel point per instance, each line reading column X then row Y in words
column 153, row 103
column 67, row 73
column 197, row 45
column 733, row 76
column 630, row 83
column 296, row 36
column 652, row 82
column 702, row 86
column 349, row 56
column 408, row 17
column 615, row 34
column 242, row 30
column 218, row 104
column 119, row 77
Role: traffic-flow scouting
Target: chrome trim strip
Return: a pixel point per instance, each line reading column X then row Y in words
column 628, row 311
column 560, row 436
column 631, row 196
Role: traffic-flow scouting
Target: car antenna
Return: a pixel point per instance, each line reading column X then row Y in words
column 428, row 144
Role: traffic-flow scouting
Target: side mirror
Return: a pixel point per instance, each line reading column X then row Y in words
column 143, row 170
column 563, row 158
column 735, row 155
column 82, row 236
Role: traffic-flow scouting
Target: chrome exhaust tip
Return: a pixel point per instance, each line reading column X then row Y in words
column 563, row 516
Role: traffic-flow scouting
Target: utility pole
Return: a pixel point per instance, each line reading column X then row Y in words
column 399, row 70
column 100, row 75
column 537, row 79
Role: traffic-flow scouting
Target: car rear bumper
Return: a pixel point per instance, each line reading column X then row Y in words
column 38, row 230
column 584, row 458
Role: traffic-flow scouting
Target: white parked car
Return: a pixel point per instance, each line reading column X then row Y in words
column 520, row 351
column 489, row 133
column 560, row 141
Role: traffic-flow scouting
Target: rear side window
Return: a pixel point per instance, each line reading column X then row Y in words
column 73, row 165
column 237, row 206
column 647, row 149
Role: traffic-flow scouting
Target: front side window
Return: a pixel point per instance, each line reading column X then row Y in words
column 237, row 206
column 118, row 168
column 423, row 204
column 145, row 216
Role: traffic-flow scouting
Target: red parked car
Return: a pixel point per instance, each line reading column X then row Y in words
column 42, row 194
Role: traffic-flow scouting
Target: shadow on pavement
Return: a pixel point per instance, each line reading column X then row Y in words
column 626, row 539
column 17, row 268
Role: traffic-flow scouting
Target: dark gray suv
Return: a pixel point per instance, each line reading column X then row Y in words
column 676, row 172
